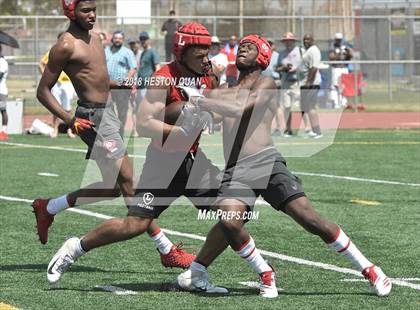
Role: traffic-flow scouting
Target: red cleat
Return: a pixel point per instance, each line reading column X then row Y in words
column 4, row 136
column 43, row 218
column 177, row 258
column 378, row 280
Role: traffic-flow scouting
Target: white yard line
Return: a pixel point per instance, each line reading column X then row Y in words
column 322, row 175
column 57, row 148
column 47, row 174
column 115, row 289
column 296, row 260
column 256, row 285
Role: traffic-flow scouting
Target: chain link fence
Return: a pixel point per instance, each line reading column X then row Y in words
column 387, row 47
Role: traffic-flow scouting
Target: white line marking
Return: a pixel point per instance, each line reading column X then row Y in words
column 393, row 279
column 47, row 174
column 57, row 148
column 279, row 256
column 355, row 179
column 354, row 280
column 256, row 285
column 15, row 199
column 115, row 289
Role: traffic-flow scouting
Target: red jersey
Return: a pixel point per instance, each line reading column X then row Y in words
column 171, row 74
column 231, row 53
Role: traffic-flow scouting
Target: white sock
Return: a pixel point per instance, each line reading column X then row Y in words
column 250, row 253
column 78, row 251
column 163, row 244
column 344, row 246
column 57, row 204
column 4, row 128
column 197, row 267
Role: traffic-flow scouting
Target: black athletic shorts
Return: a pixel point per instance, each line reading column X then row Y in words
column 104, row 139
column 308, row 97
column 167, row 176
column 265, row 174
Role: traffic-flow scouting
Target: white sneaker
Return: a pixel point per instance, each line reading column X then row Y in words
column 314, row 135
column 380, row 282
column 268, row 288
column 62, row 260
column 198, row 281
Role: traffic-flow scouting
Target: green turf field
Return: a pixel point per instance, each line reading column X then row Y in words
column 387, row 233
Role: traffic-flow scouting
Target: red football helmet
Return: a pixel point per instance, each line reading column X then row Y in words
column 190, row 34
column 69, row 6
column 264, row 49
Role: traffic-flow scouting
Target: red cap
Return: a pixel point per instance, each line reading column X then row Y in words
column 264, row 49
column 190, row 34
column 69, row 6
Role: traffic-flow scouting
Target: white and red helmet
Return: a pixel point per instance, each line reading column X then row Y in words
column 190, row 34
column 69, row 6
column 264, row 49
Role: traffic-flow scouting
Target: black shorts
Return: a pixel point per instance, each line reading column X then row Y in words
column 308, row 97
column 264, row 174
column 103, row 140
column 167, row 176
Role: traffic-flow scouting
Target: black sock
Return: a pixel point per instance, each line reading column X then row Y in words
column 198, row 262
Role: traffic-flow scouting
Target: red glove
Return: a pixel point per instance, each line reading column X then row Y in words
column 79, row 125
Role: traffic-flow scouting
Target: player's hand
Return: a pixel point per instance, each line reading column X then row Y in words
column 190, row 118
column 79, row 125
column 192, row 94
column 206, row 121
column 195, row 120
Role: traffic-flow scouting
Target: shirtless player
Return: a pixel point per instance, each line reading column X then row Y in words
column 80, row 55
column 254, row 167
column 173, row 155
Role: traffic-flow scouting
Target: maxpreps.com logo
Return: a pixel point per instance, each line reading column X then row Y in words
column 147, row 200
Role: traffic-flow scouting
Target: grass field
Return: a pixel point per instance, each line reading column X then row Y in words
column 387, row 233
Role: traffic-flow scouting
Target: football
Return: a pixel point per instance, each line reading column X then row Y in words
column 172, row 113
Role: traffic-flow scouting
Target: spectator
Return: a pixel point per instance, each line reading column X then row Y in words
column 168, row 29
column 135, row 47
column 339, row 52
column 149, row 62
column 271, row 71
column 218, row 60
column 288, row 63
column 4, row 69
column 231, row 50
column 121, row 65
column 310, row 84
column 63, row 92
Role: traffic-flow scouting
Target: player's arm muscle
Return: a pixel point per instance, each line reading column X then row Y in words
column 58, row 58
column 234, row 107
column 148, row 123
